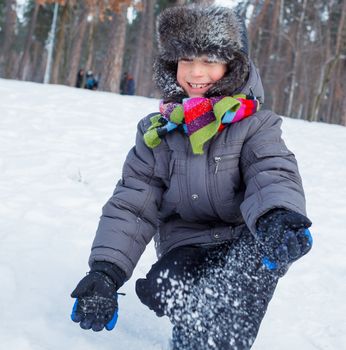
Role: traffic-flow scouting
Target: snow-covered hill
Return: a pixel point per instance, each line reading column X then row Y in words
column 61, row 153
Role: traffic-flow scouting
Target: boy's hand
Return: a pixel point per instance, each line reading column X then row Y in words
column 96, row 306
column 284, row 238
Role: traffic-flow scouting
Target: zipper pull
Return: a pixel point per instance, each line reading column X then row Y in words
column 217, row 162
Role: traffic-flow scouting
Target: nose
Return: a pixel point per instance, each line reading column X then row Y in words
column 196, row 69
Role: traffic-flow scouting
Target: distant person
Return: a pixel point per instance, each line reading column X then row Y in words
column 123, row 83
column 91, row 82
column 127, row 84
column 80, row 78
column 130, row 86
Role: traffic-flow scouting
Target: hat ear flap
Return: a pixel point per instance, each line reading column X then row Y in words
column 165, row 77
column 236, row 75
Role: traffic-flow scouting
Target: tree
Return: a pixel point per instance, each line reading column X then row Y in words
column 301, row 76
column 24, row 62
column 331, row 64
column 8, row 37
column 91, row 43
column 80, row 26
column 60, row 43
column 145, row 49
column 114, row 58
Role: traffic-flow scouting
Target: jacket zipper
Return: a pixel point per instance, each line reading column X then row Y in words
column 218, row 160
column 208, row 184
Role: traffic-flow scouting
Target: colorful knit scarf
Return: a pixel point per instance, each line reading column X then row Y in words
column 200, row 118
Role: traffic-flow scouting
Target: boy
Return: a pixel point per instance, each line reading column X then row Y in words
column 212, row 181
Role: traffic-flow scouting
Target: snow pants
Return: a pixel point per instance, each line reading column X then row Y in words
column 215, row 296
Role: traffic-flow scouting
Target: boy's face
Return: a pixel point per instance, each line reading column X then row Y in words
column 197, row 75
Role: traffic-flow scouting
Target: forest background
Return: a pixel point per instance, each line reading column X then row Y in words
column 299, row 47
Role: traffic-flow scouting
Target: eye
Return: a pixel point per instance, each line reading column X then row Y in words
column 210, row 61
column 213, row 61
column 186, row 59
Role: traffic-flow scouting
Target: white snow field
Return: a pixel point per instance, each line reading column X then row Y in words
column 61, row 153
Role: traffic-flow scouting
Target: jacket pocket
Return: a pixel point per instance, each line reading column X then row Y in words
column 226, row 176
column 272, row 150
column 225, row 162
column 281, row 159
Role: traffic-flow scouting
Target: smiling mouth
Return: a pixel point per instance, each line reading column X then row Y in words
column 199, row 86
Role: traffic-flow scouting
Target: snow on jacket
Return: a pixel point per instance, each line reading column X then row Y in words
column 182, row 198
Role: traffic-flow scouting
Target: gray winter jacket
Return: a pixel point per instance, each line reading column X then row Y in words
column 182, row 199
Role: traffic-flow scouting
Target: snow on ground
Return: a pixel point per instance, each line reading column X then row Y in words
column 61, row 153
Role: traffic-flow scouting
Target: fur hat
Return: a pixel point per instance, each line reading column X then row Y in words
column 192, row 31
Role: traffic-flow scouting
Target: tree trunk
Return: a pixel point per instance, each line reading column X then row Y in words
column 343, row 115
column 328, row 67
column 144, row 78
column 76, row 51
column 137, row 61
column 9, row 34
column 22, row 70
column 276, row 70
column 89, row 61
column 111, row 73
column 273, row 38
column 296, row 60
column 256, row 22
column 70, row 30
column 60, row 45
column 336, row 105
column 37, row 61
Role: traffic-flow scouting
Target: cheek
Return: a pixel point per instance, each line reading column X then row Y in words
column 218, row 73
column 180, row 74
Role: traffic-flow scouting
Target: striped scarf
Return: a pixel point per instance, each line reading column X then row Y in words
column 200, row 118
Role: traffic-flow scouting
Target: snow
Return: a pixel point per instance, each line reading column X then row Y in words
column 62, row 151
column 227, row 3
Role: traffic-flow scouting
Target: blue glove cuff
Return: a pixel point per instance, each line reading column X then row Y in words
column 111, row 324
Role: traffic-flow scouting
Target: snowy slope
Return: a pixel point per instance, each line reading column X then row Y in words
column 61, row 152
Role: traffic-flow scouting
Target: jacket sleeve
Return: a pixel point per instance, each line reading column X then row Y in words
column 129, row 218
column 270, row 171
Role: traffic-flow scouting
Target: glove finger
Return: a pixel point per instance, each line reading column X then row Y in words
column 293, row 246
column 296, row 220
column 87, row 322
column 97, row 326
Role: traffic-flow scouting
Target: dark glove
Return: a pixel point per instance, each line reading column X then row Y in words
column 96, row 306
column 284, row 238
